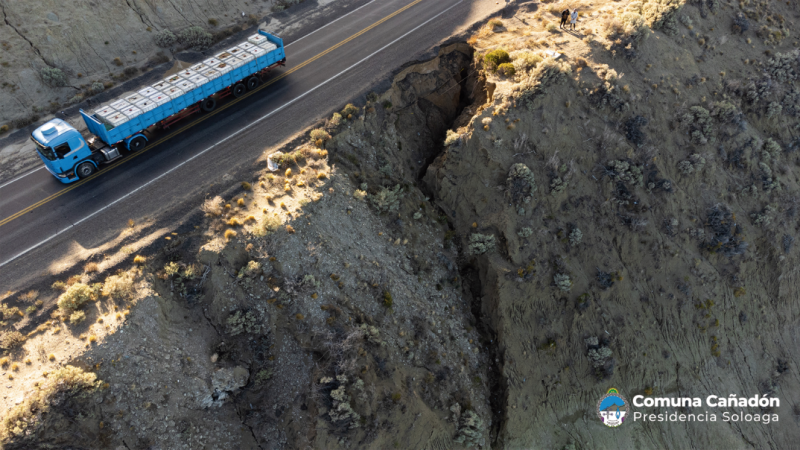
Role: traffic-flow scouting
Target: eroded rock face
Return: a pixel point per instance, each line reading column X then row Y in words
column 224, row 383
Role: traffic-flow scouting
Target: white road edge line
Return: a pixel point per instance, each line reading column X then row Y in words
column 236, row 133
column 20, row 177
column 340, row 18
column 293, row 42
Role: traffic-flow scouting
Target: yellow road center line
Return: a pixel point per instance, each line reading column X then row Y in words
column 190, row 125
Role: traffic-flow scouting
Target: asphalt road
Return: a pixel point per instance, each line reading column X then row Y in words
column 45, row 225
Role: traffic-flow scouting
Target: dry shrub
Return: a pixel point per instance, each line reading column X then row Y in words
column 213, row 206
column 75, row 296
column 119, row 286
column 30, row 296
column 230, row 234
column 12, row 339
column 91, row 267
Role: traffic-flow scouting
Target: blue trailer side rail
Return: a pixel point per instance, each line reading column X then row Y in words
column 178, row 104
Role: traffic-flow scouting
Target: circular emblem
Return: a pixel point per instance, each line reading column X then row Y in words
column 612, row 408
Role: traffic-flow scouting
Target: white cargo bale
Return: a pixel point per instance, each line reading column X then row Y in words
column 246, row 58
column 104, row 113
column 186, row 74
column 223, row 56
column 161, row 86
column 199, row 80
column 258, row 52
column 120, row 105
column 131, row 111
column 257, row 39
column 269, row 46
column 186, row 86
column 235, row 51
column 211, row 74
column 148, row 92
column 117, row 119
column 211, row 62
column 234, row 62
column 146, row 105
column 133, row 98
column 223, row 68
column 198, row 68
column 174, row 92
column 245, row 46
column 173, row 79
column 160, row 98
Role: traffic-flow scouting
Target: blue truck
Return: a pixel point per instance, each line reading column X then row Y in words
column 126, row 124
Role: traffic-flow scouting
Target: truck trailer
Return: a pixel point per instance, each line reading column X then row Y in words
column 125, row 124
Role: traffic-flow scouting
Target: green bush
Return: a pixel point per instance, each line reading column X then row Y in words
column 195, row 38
column 494, row 58
column 53, row 77
column 165, row 38
column 506, row 69
column 349, row 110
column 77, row 317
column 318, row 134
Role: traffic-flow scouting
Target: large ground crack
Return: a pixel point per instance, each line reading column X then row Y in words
column 35, row 49
column 136, row 10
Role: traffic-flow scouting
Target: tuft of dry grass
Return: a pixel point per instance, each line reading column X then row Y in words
column 246, row 186
column 92, row 338
column 288, row 173
column 229, row 234
column 15, row 367
column 322, row 176
column 51, row 357
column 240, row 202
column 139, row 259
column 91, row 267
column 29, row 296
column 289, row 229
column 234, row 222
column 213, row 206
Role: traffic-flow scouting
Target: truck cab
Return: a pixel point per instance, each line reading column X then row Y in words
column 66, row 154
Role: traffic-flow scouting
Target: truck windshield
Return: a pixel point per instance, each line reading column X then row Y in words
column 45, row 151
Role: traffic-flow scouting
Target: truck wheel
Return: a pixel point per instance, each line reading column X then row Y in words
column 252, row 83
column 85, row 169
column 209, row 104
column 239, row 90
column 137, row 143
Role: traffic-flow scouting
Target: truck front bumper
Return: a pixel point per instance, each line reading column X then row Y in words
column 65, row 178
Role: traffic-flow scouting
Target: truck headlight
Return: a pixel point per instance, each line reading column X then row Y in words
column 62, row 175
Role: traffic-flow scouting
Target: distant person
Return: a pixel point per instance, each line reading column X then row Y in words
column 564, row 17
column 573, row 18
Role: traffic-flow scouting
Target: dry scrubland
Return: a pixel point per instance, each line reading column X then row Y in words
column 469, row 260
